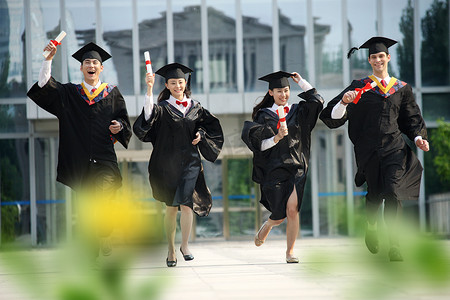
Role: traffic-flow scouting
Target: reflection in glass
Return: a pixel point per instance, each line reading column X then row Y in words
column 222, row 47
column 14, row 183
column 328, row 43
column 50, row 195
column 212, row 226
column 117, row 41
column 152, row 24
column 12, row 66
column 80, row 31
column 188, row 39
column 358, row 34
column 398, row 25
column 45, row 26
column 434, row 16
column 257, row 30
column 436, row 106
column 13, row 118
column 292, row 20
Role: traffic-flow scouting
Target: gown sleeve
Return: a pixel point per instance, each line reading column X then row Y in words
column 146, row 130
column 211, row 133
column 410, row 120
column 121, row 115
column 314, row 104
column 48, row 97
column 254, row 132
column 325, row 115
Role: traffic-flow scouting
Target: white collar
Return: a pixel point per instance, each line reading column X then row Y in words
column 90, row 87
column 386, row 79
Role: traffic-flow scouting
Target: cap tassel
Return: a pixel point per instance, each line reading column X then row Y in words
column 351, row 51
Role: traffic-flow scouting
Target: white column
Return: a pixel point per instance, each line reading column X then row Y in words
column 345, row 44
column 418, row 89
column 170, row 38
column 137, row 55
column 205, row 49
column 311, row 57
column 32, row 158
column 64, row 65
column 379, row 17
column 239, row 50
column 98, row 24
column 314, row 173
column 347, row 143
column 275, row 36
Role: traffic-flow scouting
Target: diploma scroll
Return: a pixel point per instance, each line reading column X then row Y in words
column 281, row 114
column 148, row 62
column 56, row 41
column 364, row 89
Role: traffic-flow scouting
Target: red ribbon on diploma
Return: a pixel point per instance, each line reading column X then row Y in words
column 56, row 43
column 361, row 91
column 283, row 119
column 147, row 62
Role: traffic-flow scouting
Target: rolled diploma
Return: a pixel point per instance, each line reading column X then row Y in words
column 148, row 63
column 59, row 38
column 281, row 115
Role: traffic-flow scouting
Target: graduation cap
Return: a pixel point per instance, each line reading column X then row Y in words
column 174, row 70
column 92, row 51
column 375, row 44
column 277, row 79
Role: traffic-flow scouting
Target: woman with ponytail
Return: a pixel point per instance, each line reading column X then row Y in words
column 280, row 137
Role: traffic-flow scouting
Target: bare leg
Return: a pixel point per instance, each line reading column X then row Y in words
column 292, row 227
column 265, row 229
column 186, row 226
column 170, row 222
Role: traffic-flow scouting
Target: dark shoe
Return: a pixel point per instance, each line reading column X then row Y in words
column 372, row 241
column 171, row 263
column 187, row 256
column 395, row 255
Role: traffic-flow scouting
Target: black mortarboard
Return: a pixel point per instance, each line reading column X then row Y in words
column 174, row 70
column 277, row 80
column 91, row 50
column 375, row 44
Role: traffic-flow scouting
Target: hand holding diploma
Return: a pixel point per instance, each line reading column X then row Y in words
column 282, row 126
column 282, row 132
column 50, row 49
column 354, row 96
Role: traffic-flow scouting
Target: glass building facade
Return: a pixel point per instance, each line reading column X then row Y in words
column 229, row 44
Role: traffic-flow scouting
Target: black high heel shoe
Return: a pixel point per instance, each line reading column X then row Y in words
column 187, row 256
column 171, row 263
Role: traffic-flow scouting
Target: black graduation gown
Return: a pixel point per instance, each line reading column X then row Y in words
column 84, row 135
column 175, row 169
column 375, row 127
column 284, row 165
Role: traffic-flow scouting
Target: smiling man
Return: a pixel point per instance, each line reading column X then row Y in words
column 92, row 117
column 376, row 124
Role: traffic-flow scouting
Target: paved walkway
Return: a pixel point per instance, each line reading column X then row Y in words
column 338, row 268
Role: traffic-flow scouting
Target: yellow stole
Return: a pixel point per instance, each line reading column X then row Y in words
column 95, row 94
column 381, row 87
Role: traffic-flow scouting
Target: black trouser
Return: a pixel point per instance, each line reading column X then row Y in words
column 383, row 176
